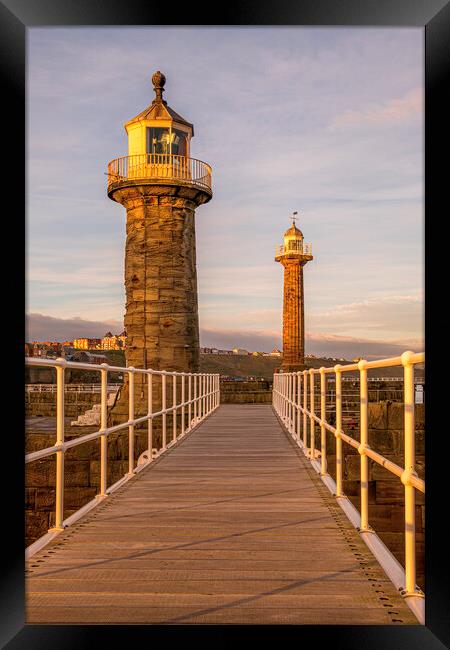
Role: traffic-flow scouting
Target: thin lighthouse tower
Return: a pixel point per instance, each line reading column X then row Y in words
column 293, row 255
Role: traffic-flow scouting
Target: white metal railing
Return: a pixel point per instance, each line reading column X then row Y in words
column 203, row 397
column 294, row 247
column 290, row 402
column 160, row 167
column 70, row 388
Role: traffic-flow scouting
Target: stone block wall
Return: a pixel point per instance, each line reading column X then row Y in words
column 81, row 470
column 386, row 492
column 44, row 404
column 245, row 392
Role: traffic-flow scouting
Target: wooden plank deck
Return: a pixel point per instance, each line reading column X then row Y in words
column 231, row 526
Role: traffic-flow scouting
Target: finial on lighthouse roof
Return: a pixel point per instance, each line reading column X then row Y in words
column 293, row 231
column 158, row 81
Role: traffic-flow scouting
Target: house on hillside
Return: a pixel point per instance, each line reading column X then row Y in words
column 83, row 356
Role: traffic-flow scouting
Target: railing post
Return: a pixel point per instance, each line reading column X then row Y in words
column 189, row 400
column 323, row 431
column 131, row 417
column 183, row 398
column 293, row 392
column 305, row 406
column 103, row 426
column 149, row 412
column 410, row 496
column 194, row 377
column 204, row 396
column 163, row 408
column 312, row 413
column 59, row 487
column 363, row 446
column 174, row 404
column 337, row 370
column 289, row 403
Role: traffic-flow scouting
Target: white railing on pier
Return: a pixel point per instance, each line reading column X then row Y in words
column 294, row 402
column 70, row 388
column 203, row 397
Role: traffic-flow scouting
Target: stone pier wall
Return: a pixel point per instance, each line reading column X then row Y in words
column 44, row 404
column 246, row 392
column 386, row 492
column 81, row 474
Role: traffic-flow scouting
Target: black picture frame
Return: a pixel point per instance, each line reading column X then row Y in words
column 18, row 15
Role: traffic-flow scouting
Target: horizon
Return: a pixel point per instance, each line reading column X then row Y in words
column 340, row 112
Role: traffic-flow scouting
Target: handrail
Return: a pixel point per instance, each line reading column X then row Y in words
column 290, row 401
column 294, row 248
column 160, row 167
column 70, row 388
column 203, row 398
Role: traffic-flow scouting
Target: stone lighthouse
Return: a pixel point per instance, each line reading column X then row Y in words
column 160, row 186
column 293, row 255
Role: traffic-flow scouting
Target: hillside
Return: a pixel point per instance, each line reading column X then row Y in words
column 238, row 365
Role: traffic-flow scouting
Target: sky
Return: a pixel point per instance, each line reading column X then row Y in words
column 324, row 121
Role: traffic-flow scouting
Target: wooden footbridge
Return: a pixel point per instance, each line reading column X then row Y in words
column 231, row 525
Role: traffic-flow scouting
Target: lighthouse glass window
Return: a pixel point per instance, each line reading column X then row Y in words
column 166, row 141
column 158, row 140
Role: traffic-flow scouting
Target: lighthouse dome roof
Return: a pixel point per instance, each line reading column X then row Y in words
column 293, row 232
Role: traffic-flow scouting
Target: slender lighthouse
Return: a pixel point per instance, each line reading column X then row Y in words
column 293, row 255
column 160, row 186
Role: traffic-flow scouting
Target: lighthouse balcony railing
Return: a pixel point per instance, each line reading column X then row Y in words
column 294, row 248
column 160, row 167
column 181, row 400
column 301, row 403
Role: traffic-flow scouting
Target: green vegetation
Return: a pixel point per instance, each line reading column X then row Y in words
column 239, row 365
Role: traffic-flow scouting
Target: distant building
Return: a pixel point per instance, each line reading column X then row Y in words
column 44, row 349
column 67, row 351
column 113, row 341
column 86, row 343
column 276, row 353
column 240, row 351
column 88, row 357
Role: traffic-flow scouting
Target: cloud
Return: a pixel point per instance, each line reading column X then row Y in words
column 387, row 317
column 42, row 327
column 393, row 111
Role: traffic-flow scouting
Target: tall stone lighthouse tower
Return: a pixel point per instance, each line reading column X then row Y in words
column 160, row 186
column 293, row 255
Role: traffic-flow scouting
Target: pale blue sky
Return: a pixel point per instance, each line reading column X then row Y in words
column 326, row 121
